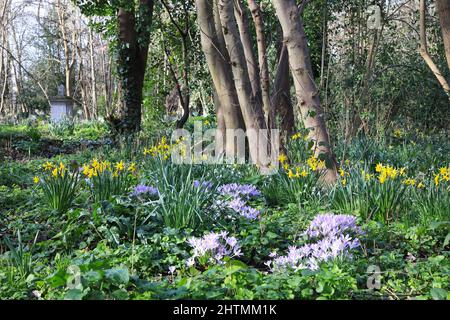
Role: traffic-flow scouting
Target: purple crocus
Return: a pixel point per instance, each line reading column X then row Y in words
column 214, row 247
column 141, row 189
column 244, row 191
column 203, row 184
column 331, row 236
column 236, row 196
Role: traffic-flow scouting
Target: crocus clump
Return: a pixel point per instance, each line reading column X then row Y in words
column 236, row 197
column 243, row 209
column 212, row 248
column 243, row 191
column 143, row 190
column 331, row 225
column 332, row 236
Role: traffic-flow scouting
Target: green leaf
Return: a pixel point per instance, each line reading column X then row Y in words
column 74, row 294
column 447, row 240
column 120, row 294
column 438, row 294
column 118, row 276
column 92, row 276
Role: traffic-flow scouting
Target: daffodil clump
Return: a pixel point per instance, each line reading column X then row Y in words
column 161, row 149
column 381, row 195
column 442, row 176
column 313, row 164
column 294, row 182
column 107, row 179
column 387, row 172
column 59, row 185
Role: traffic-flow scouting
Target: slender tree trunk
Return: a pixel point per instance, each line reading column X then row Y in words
column 93, row 75
column 443, row 8
column 281, row 98
column 424, row 49
column 246, row 39
column 263, row 65
column 307, row 93
column 251, row 107
column 229, row 114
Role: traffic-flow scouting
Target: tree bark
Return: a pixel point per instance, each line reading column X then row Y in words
column 424, row 50
column 213, row 46
column 246, row 39
column 443, row 8
column 262, row 60
column 307, row 93
column 93, row 74
column 134, row 34
column 251, row 108
column 281, row 98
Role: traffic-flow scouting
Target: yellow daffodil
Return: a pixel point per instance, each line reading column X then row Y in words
column 55, row 172
column 132, row 167
column 48, row 166
column 420, row 185
column 379, row 167
column 313, row 163
column 409, row 182
column 290, row 174
column 282, row 158
column 296, row 136
column 382, row 178
column 436, row 180
column 120, row 166
column 95, row 164
column 36, row 180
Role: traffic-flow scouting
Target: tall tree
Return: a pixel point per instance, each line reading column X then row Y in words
column 217, row 58
column 311, row 111
column 255, row 9
column 133, row 20
column 443, row 8
column 424, row 49
column 250, row 106
column 134, row 39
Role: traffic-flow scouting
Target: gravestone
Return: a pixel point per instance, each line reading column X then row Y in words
column 61, row 106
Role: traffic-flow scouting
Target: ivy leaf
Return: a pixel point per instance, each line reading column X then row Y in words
column 118, row 276
column 438, row 294
column 74, row 294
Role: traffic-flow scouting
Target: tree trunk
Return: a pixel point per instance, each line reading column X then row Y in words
column 229, row 114
column 311, row 111
column 263, row 65
column 133, row 51
column 251, row 107
column 424, row 50
column 443, row 8
column 93, row 74
column 250, row 57
column 281, row 98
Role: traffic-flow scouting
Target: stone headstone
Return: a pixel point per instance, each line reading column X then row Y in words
column 61, row 90
column 61, row 106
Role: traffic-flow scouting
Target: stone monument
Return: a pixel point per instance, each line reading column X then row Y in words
column 61, row 106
